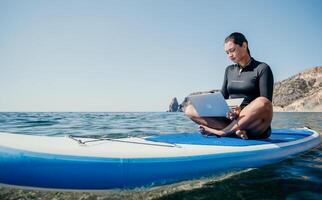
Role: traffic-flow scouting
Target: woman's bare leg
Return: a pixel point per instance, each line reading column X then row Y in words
column 212, row 122
column 254, row 119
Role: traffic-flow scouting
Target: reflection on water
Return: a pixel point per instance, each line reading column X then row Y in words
column 297, row 178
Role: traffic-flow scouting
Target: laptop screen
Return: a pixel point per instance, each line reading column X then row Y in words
column 213, row 104
column 210, row 104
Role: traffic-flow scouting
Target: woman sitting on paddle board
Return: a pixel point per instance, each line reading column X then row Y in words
column 249, row 79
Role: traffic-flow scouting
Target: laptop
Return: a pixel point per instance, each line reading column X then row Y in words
column 213, row 104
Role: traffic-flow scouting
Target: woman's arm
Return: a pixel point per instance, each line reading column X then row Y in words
column 224, row 90
column 266, row 82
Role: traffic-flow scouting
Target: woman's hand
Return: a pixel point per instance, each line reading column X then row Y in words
column 234, row 114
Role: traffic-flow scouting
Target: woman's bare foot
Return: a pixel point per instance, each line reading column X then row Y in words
column 210, row 131
column 242, row 134
column 205, row 130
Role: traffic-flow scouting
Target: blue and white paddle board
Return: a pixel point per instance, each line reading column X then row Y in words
column 91, row 164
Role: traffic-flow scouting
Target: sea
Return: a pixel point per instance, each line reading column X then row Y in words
column 299, row 177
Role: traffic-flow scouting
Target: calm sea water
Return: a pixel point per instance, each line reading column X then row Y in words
column 296, row 178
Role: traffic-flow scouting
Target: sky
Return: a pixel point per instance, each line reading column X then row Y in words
column 136, row 55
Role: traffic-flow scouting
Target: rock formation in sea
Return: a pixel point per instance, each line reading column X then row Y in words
column 300, row 93
column 174, row 105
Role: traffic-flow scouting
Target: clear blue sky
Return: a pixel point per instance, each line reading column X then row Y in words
column 135, row 55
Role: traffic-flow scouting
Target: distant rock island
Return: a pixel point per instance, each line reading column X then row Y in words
column 174, row 105
column 299, row 93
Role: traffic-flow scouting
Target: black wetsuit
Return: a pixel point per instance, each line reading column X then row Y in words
column 250, row 82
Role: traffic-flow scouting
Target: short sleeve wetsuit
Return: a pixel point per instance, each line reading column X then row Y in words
column 250, row 82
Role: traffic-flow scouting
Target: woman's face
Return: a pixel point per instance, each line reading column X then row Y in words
column 235, row 52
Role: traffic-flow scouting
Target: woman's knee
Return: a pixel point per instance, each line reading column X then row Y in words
column 266, row 108
column 260, row 108
column 190, row 111
column 263, row 102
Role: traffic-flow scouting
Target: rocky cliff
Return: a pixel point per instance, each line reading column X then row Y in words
column 300, row 93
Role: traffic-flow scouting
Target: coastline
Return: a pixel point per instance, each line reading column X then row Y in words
column 317, row 109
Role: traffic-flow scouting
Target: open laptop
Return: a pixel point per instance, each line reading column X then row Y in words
column 213, row 104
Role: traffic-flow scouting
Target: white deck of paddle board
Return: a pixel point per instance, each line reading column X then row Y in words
column 140, row 148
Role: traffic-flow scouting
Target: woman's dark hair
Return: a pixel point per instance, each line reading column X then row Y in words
column 237, row 38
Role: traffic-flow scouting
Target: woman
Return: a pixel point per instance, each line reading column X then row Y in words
column 249, row 79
